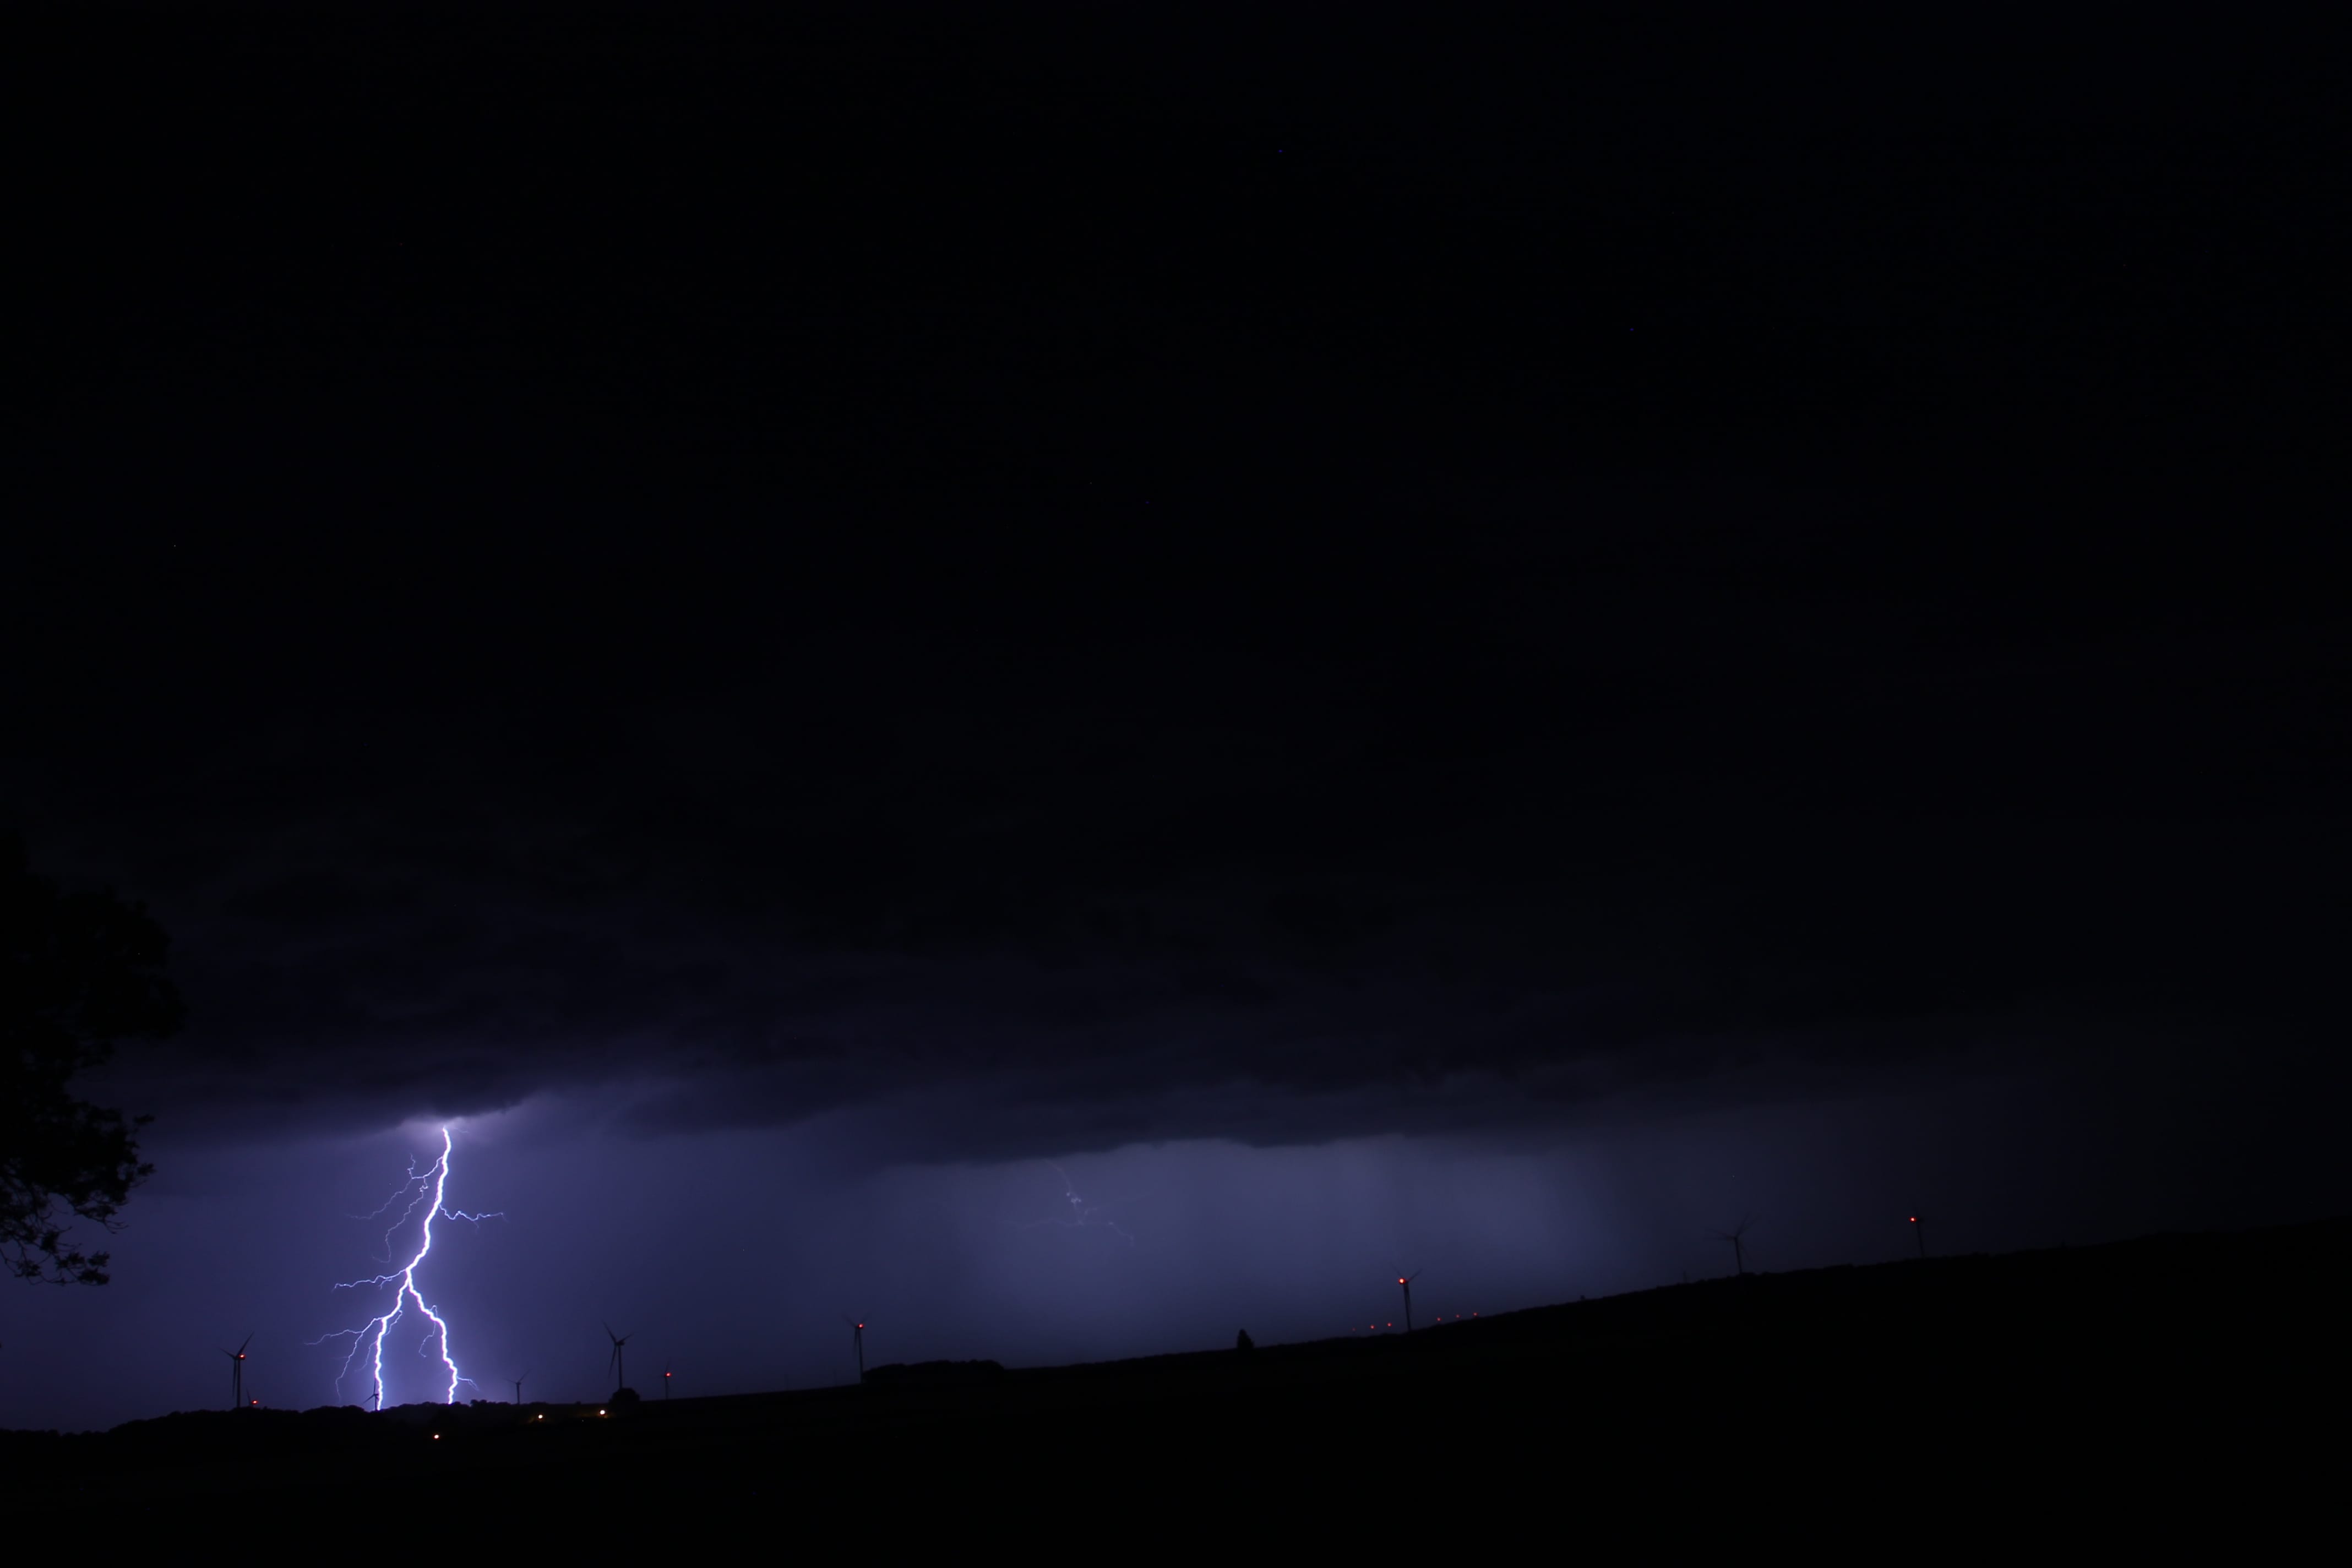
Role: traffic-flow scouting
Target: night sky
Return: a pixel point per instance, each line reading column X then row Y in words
column 1075, row 683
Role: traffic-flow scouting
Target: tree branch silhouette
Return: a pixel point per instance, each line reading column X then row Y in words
column 79, row 972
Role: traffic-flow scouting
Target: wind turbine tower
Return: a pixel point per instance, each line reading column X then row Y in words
column 518, row 1382
column 618, row 1364
column 857, row 1339
column 1919, row 1232
column 236, row 1375
column 1404, row 1282
column 1738, row 1249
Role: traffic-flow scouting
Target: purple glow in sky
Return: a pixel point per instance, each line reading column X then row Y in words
column 1288, row 1242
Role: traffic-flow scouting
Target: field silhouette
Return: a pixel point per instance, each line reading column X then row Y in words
column 2125, row 1382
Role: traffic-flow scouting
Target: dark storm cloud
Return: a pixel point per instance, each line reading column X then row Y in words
column 1332, row 845
column 808, row 577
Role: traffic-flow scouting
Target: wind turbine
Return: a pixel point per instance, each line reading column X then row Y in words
column 1919, row 1230
column 857, row 1338
column 236, row 1375
column 665, row 1380
column 1405, row 1282
column 619, row 1366
column 518, row 1382
column 1739, row 1251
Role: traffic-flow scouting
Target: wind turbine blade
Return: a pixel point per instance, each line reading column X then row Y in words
column 249, row 1340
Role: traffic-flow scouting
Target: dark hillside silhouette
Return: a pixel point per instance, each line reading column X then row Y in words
column 2031, row 1381
column 934, row 1374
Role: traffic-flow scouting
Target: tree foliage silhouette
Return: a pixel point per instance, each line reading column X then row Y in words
column 79, row 972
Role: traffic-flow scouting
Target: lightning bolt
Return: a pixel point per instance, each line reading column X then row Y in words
column 424, row 1190
column 1083, row 1215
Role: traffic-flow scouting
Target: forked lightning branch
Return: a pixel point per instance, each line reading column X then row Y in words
column 425, row 1191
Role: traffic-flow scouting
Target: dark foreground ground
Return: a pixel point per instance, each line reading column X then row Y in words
column 2143, row 1390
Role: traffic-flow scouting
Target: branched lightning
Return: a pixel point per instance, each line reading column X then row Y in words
column 424, row 1190
column 1083, row 1215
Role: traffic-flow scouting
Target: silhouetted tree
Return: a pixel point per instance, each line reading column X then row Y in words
column 78, row 973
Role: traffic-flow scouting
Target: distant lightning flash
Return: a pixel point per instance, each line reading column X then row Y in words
column 424, row 1190
column 1083, row 1215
